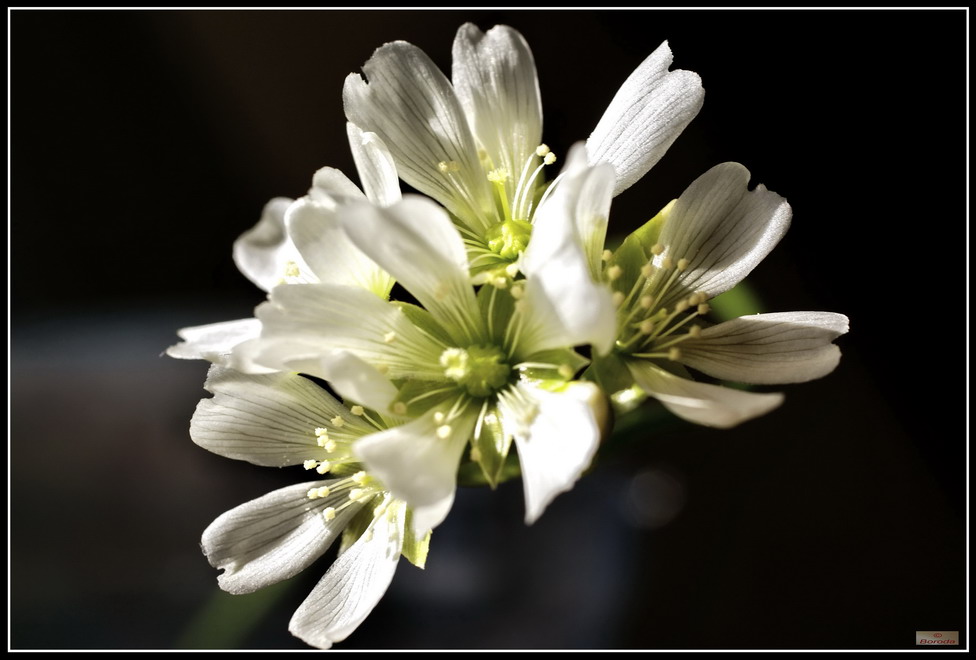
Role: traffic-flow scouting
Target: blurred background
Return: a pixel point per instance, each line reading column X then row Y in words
column 144, row 142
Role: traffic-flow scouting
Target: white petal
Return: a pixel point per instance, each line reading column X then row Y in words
column 330, row 187
column 318, row 319
column 416, row 242
column 265, row 253
column 411, row 105
column 495, row 79
column 375, row 165
column 266, row 419
column 273, row 537
column 767, row 349
column 645, row 117
column 723, row 229
column 563, row 304
column 329, row 253
column 417, row 465
column 701, row 403
column 557, row 443
column 352, row 586
column 215, row 341
column 357, row 380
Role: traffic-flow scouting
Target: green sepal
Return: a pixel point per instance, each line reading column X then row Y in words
column 421, row 318
column 635, row 251
column 610, row 372
column 414, row 549
column 470, row 473
column 497, row 308
column 358, row 524
column 419, row 396
column 740, row 300
column 490, row 445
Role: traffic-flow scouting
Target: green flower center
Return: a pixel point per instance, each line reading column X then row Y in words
column 481, row 370
column 509, row 238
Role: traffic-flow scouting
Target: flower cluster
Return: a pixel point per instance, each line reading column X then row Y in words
column 516, row 331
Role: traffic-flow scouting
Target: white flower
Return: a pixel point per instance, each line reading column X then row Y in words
column 283, row 420
column 485, row 368
column 662, row 278
column 474, row 143
column 268, row 255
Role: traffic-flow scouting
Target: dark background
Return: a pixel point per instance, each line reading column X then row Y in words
column 144, row 142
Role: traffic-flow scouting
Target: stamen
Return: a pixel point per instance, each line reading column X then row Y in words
column 704, row 308
column 338, row 422
column 310, row 464
column 647, row 270
column 657, row 249
column 565, row 371
column 443, row 432
column 358, row 411
column 607, row 255
column 683, row 264
column 438, row 417
column 646, row 301
column 448, row 166
column 399, row 408
column 329, row 513
column 618, row 298
column 674, row 354
column 291, row 269
column 695, row 331
column 614, row 272
column 389, row 337
column 323, row 467
column 542, row 150
column 646, row 326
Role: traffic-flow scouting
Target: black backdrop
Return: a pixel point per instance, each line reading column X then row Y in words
column 144, row 142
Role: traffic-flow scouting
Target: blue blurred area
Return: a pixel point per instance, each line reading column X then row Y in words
column 144, row 142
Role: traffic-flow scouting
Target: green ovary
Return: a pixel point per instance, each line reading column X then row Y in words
column 481, row 370
column 509, row 238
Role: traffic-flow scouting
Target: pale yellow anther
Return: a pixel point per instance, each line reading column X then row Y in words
column 549, row 159
column 657, row 249
column 618, row 298
column 329, row 513
column 368, row 536
column 382, row 369
column 646, row 327
column 565, row 371
column 443, row 431
column 355, row 494
column 542, row 150
column 667, row 262
column 321, row 431
column 360, row 477
column 447, row 166
column 674, row 353
column 358, row 411
column 338, row 422
column 704, row 308
column 439, row 417
column 291, row 269
column 310, row 464
column 647, row 270
column 312, row 493
column 499, row 175
column 389, row 337
column 681, row 306
column 500, row 282
column 322, row 441
column 475, row 454
column 695, row 331
column 646, row 302
column 614, row 272
column 323, row 467
column 512, row 269
column 517, row 291
column 607, row 255
column 683, row 264
column 696, row 298
column 323, row 491
column 329, row 446
column 399, row 408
